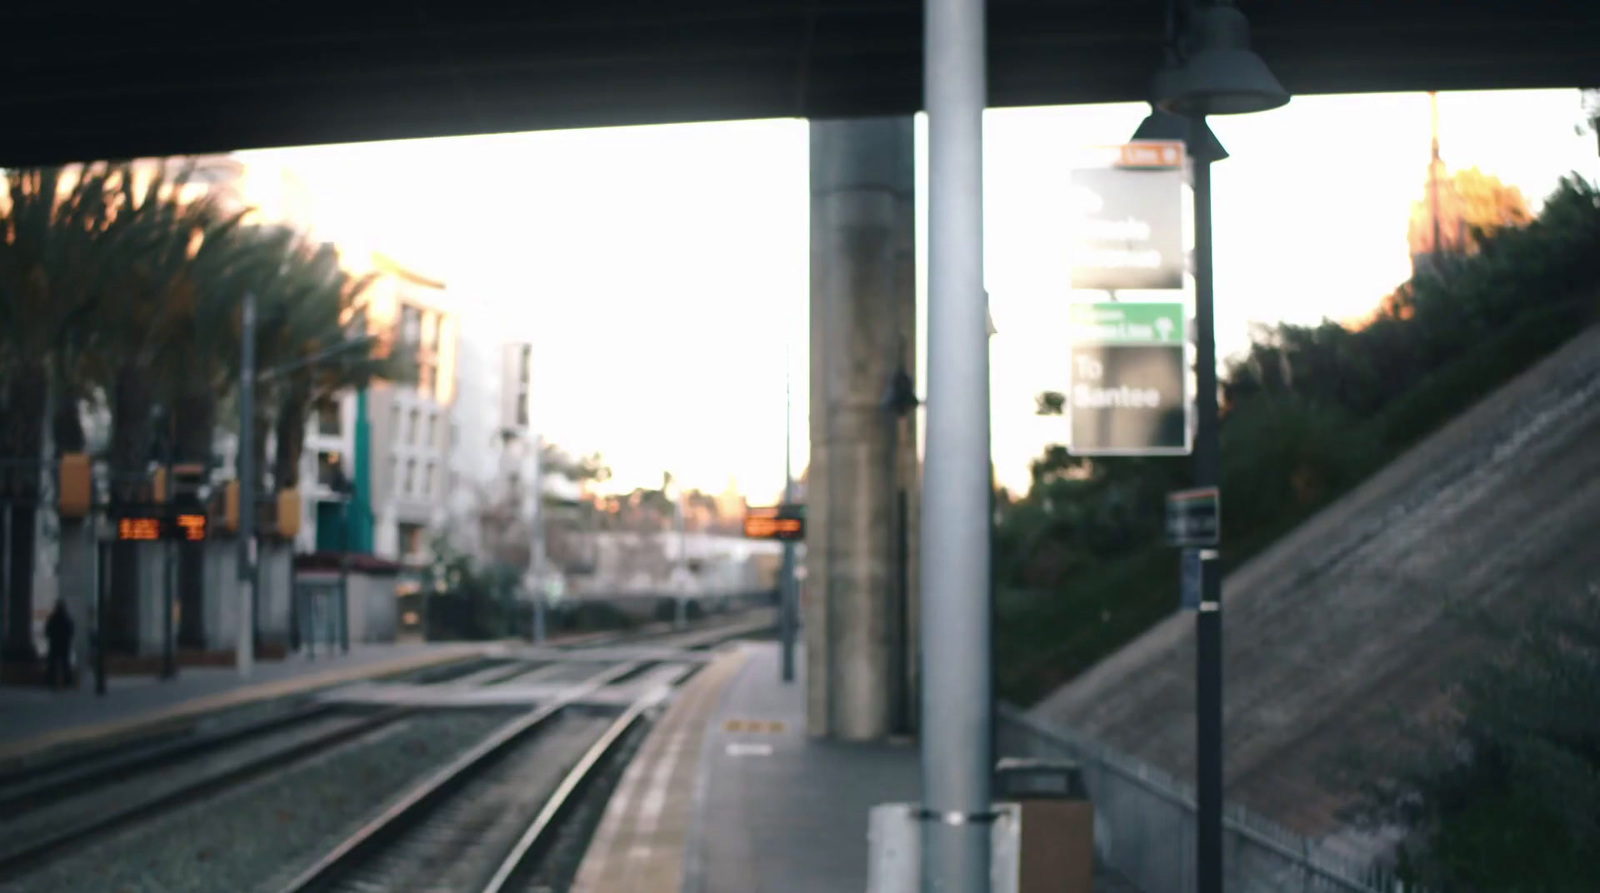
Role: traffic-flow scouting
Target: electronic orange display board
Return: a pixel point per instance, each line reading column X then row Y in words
column 779, row 522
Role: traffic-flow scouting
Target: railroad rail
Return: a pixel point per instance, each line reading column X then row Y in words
column 423, row 837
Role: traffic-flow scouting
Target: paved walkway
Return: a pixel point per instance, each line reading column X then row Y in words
column 33, row 720
column 729, row 795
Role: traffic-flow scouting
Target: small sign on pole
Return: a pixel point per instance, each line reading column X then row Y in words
column 1131, row 229
column 1129, row 391
column 1194, row 517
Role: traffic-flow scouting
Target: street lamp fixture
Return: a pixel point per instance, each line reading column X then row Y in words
column 1200, row 142
column 1218, row 73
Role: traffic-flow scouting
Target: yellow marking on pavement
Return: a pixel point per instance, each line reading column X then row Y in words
column 639, row 846
column 233, row 698
column 753, row 727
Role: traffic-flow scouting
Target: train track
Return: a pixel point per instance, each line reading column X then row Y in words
column 93, row 796
column 474, row 810
column 484, row 820
column 170, row 780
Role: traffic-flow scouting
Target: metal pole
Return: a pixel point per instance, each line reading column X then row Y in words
column 344, row 565
column 169, row 663
column 5, row 572
column 786, row 587
column 245, row 648
column 1208, row 620
column 957, row 766
column 538, row 541
column 680, row 608
column 102, row 552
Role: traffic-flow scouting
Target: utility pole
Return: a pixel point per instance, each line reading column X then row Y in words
column 245, row 649
column 786, row 587
column 957, row 688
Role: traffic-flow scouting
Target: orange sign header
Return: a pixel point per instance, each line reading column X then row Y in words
column 1147, row 154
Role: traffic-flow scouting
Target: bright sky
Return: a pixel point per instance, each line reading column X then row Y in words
column 660, row 271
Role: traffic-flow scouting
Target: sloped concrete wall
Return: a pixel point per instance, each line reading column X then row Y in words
column 1353, row 618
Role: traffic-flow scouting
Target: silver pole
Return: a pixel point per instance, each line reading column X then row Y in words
column 245, row 649
column 786, row 587
column 680, row 608
column 956, row 759
column 538, row 540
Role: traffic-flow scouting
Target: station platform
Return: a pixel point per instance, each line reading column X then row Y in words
column 729, row 795
column 35, row 721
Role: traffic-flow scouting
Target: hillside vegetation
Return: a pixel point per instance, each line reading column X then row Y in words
column 1311, row 412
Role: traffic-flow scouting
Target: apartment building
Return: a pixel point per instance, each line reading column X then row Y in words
column 409, row 438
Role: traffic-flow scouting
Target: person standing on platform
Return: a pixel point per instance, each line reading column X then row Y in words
column 58, row 631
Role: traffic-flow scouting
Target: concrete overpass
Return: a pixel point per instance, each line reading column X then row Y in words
column 123, row 82
column 112, row 79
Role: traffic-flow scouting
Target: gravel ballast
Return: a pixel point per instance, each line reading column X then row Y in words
column 251, row 836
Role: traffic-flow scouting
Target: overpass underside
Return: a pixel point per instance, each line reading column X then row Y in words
column 112, row 81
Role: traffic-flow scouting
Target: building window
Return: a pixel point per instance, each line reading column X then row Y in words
column 433, row 429
column 416, row 428
column 427, row 481
column 522, row 411
column 527, row 363
column 411, row 540
column 329, row 422
column 394, row 474
column 427, row 378
column 410, row 325
column 394, row 421
column 330, row 471
column 411, row 476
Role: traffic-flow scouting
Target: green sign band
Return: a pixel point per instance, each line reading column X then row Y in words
column 1114, row 322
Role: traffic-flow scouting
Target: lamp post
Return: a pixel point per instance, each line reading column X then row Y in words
column 1210, row 71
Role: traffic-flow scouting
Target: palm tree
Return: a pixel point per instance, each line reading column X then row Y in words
column 122, row 288
column 49, row 284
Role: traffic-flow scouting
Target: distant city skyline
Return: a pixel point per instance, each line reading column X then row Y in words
column 659, row 270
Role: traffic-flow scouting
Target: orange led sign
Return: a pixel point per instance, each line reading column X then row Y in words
column 139, row 529
column 786, row 523
column 190, row 527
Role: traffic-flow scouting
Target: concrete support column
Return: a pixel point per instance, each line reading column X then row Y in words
column 859, row 613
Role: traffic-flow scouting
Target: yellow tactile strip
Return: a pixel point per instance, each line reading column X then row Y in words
column 639, row 846
column 754, row 726
column 177, row 713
